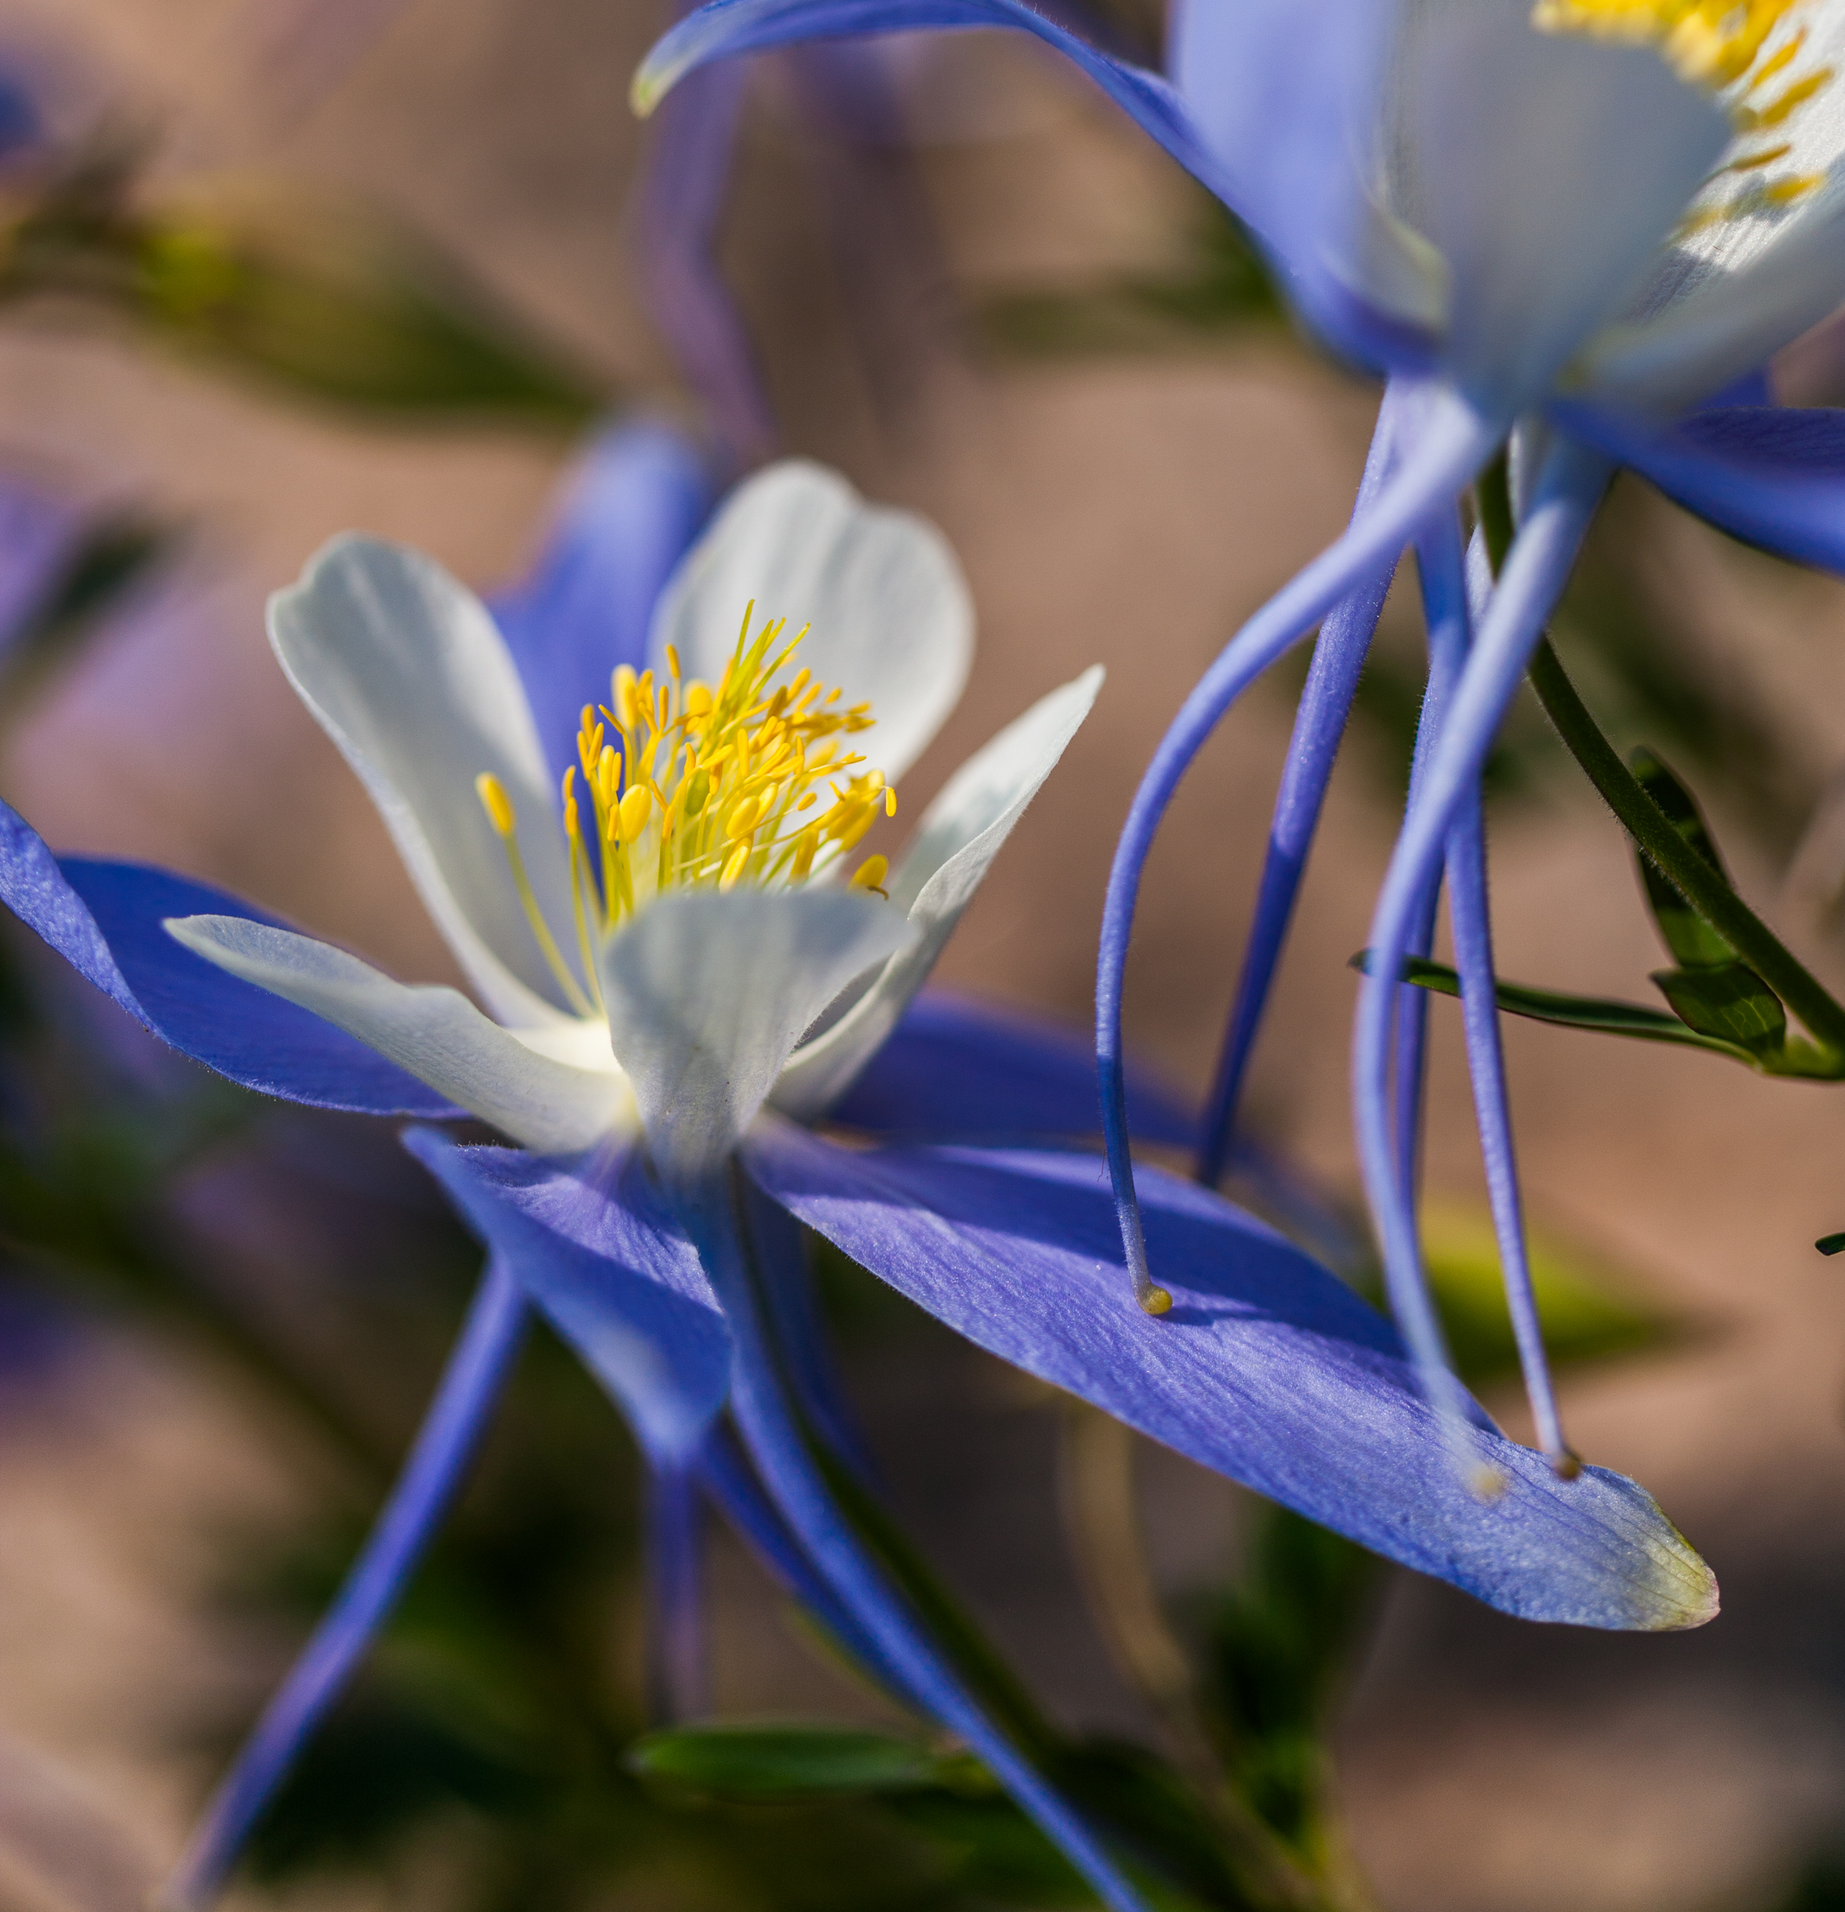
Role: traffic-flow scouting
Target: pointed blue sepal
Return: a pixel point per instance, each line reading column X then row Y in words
column 1266, row 1368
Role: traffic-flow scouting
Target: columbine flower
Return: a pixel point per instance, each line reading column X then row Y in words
column 683, row 961
column 1589, row 220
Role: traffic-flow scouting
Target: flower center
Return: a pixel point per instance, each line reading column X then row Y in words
column 1735, row 49
column 692, row 786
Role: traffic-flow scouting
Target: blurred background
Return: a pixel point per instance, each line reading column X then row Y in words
column 243, row 234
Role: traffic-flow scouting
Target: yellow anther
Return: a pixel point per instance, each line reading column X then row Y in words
column 1750, row 161
column 723, row 783
column 495, row 801
column 623, row 685
column 634, row 810
column 1156, row 1301
column 1796, row 95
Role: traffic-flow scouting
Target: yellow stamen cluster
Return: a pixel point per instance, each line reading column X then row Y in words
column 685, row 785
column 1723, row 46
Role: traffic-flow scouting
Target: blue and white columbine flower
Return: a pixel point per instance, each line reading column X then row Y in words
column 679, row 968
column 1586, row 222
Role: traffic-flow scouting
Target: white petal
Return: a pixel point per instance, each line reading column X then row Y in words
column 1731, row 321
column 435, row 1033
column 960, row 836
column 708, row 994
column 407, row 674
column 1546, row 169
column 892, row 622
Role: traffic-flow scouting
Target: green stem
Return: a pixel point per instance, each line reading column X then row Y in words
column 1700, row 885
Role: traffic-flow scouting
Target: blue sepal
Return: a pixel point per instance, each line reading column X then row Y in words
column 1772, row 475
column 638, row 500
column 596, row 1249
column 105, row 920
column 957, row 1068
column 1266, row 1369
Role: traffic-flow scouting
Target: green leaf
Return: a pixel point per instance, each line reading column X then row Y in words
column 786, row 1760
column 1830, row 1244
column 1685, row 933
column 1730, row 1002
column 1570, row 1012
column 355, row 312
column 996, row 1852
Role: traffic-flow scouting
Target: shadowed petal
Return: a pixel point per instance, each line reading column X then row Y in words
column 433, row 1032
column 1513, row 141
column 953, row 1067
column 893, row 625
column 405, row 672
column 601, row 1256
column 708, row 993
column 962, row 832
column 1266, row 1369
column 1730, row 322
column 1771, row 474
column 634, row 505
column 105, row 919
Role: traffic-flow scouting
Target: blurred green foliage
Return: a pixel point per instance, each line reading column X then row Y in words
column 1219, row 290
column 330, row 301
column 1588, row 1311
